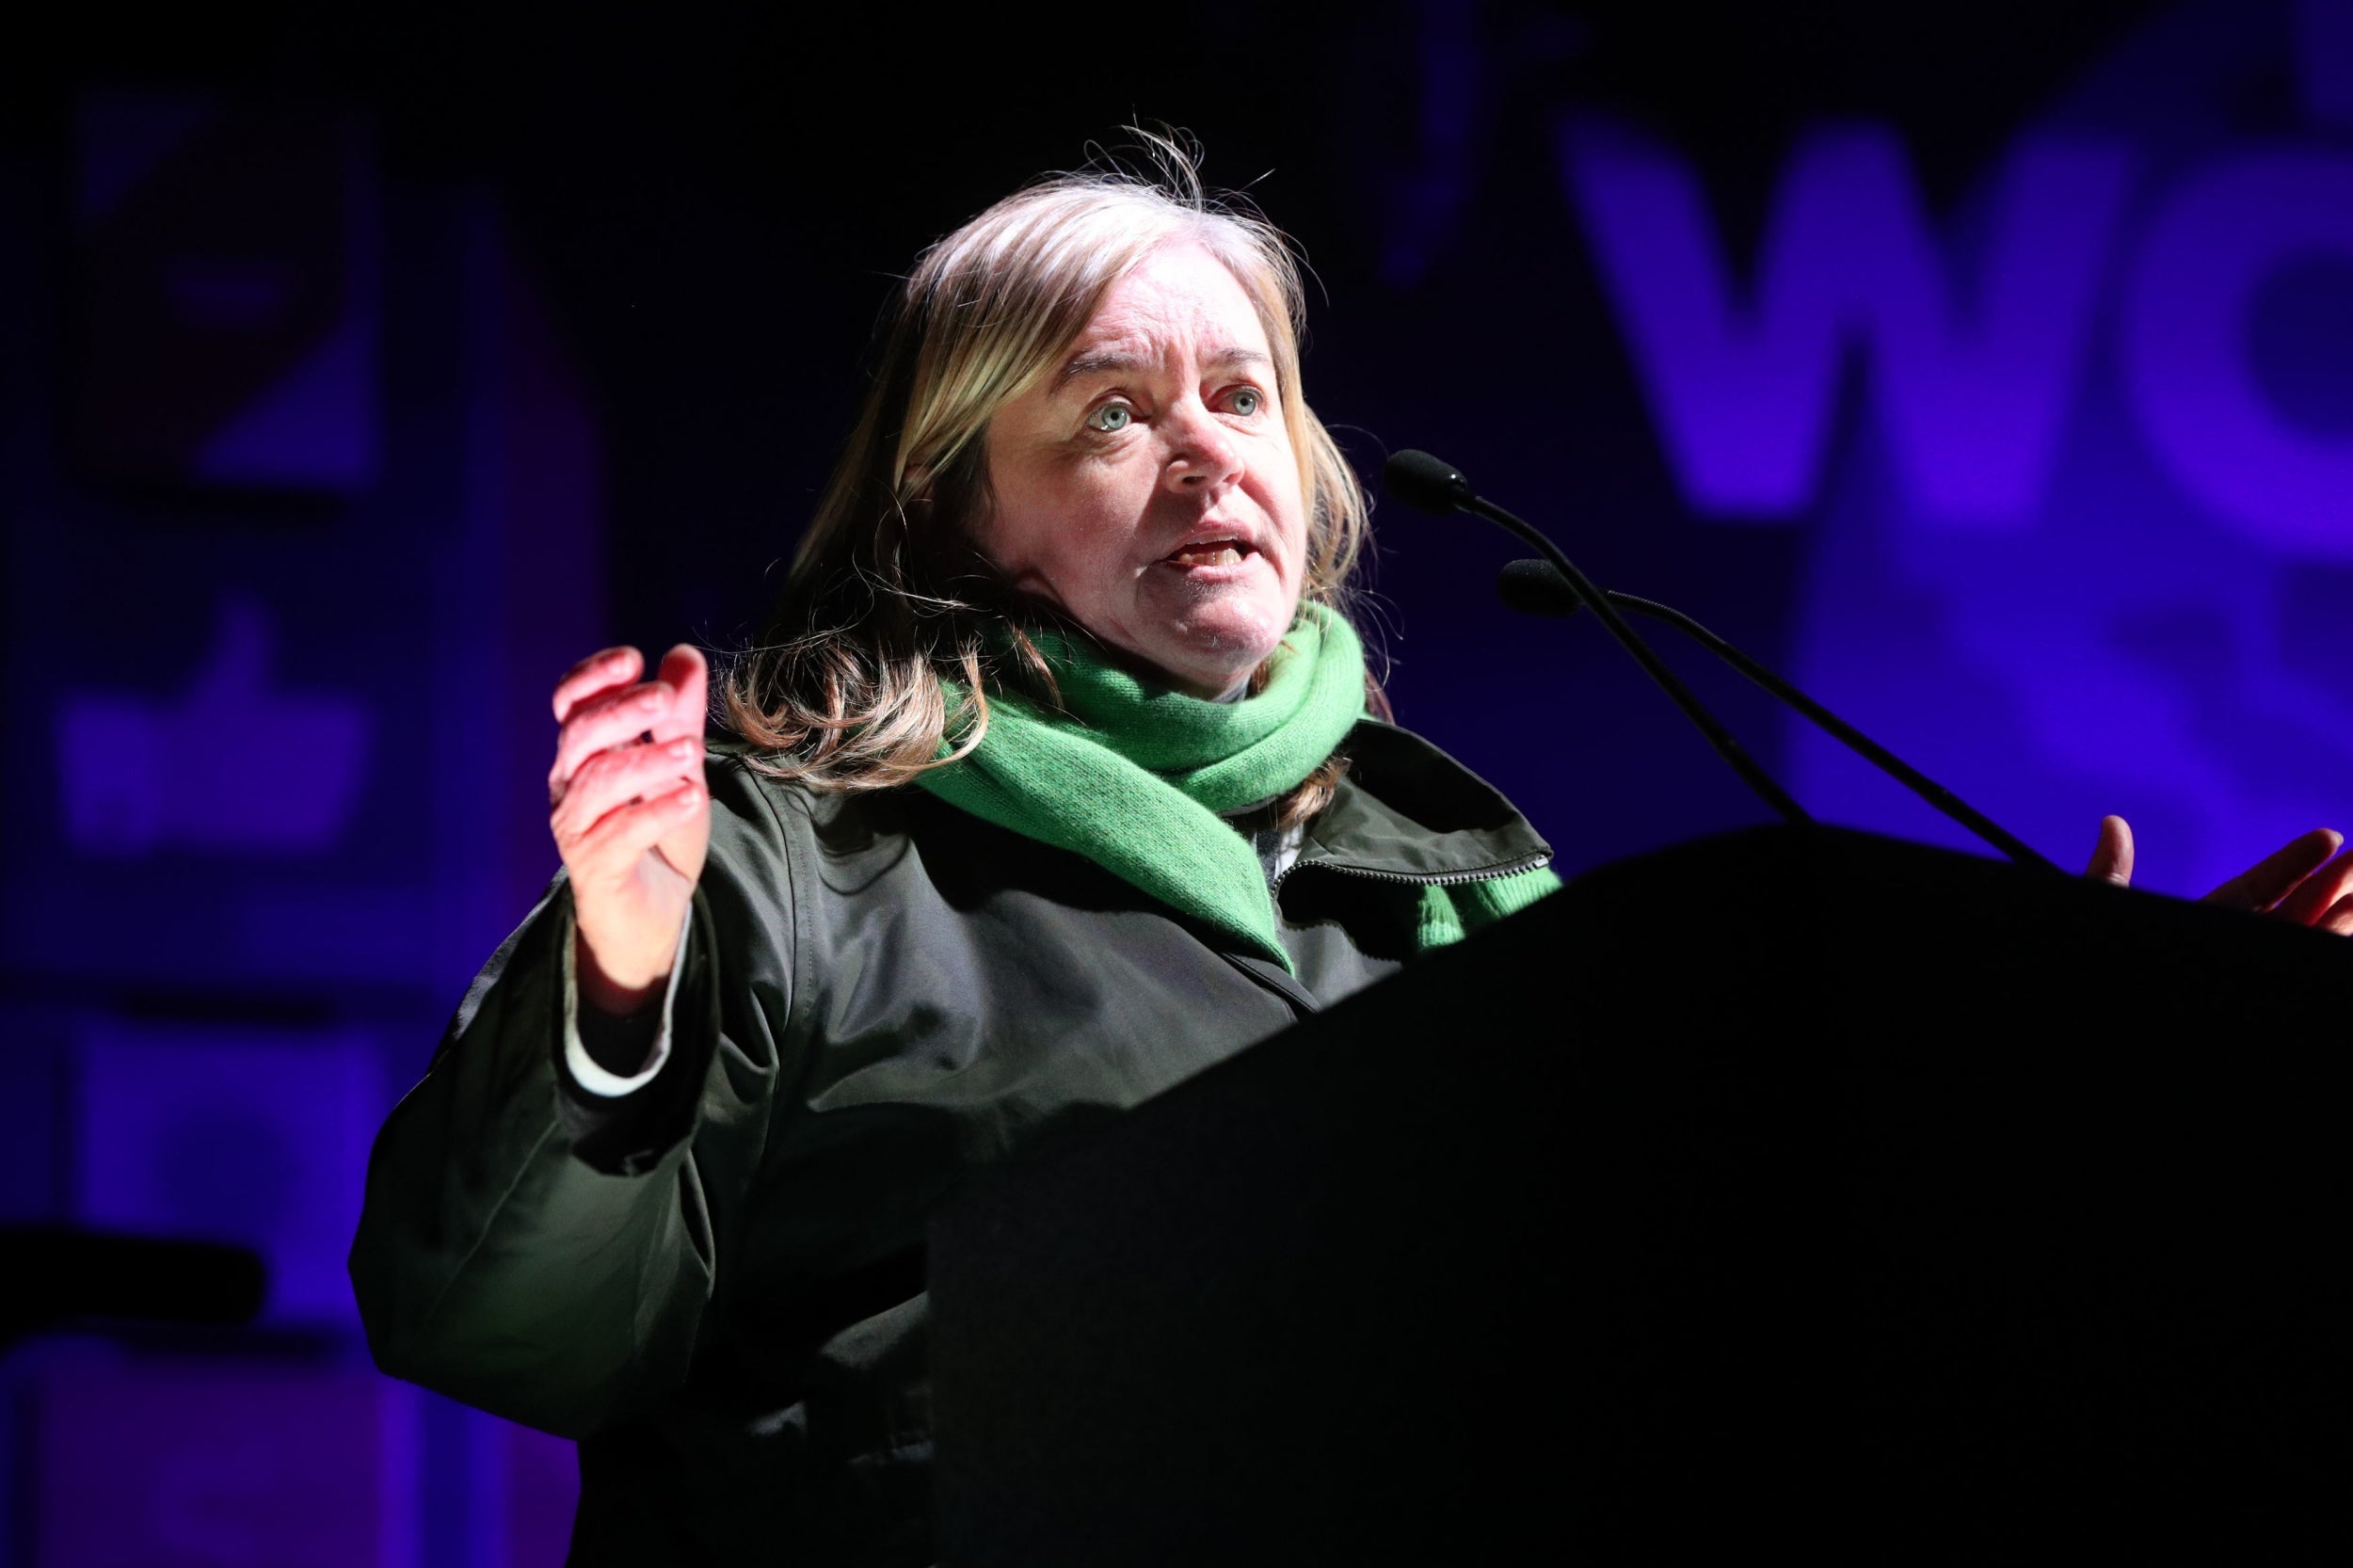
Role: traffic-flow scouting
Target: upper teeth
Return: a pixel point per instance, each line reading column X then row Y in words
column 1213, row 552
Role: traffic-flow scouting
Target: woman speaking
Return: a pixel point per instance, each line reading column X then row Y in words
column 1055, row 780
column 1058, row 776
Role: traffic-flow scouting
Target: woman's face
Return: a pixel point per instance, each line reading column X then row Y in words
column 1148, row 486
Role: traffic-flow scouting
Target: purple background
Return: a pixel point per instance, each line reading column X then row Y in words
column 1990, row 371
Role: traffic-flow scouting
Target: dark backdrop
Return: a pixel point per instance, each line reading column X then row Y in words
column 717, row 200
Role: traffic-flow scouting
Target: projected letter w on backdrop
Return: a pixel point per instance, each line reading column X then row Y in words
column 1972, row 367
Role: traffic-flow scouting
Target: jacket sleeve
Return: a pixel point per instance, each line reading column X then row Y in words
column 622, row 1059
column 546, row 1253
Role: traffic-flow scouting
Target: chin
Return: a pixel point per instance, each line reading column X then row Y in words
column 1222, row 651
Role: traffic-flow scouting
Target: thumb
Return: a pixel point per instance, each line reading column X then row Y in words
column 686, row 673
column 2112, row 857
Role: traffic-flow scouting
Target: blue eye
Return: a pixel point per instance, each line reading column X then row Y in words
column 1248, row 401
column 1110, row 418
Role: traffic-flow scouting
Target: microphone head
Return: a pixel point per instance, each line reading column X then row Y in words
column 1425, row 483
column 1536, row 588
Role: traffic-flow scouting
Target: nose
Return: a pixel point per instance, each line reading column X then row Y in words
column 1203, row 453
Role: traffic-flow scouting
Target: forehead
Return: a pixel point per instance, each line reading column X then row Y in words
column 1179, row 298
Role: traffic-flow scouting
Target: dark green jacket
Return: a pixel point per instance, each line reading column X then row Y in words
column 715, row 1282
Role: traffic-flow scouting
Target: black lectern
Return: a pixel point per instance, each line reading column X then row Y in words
column 1792, row 1193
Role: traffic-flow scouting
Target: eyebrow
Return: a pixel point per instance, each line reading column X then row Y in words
column 1108, row 361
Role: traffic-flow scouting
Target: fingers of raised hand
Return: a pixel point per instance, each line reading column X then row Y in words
column 2112, row 857
column 2316, row 897
column 598, row 673
column 2279, row 874
column 613, row 779
column 611, row 718
column 616, row 840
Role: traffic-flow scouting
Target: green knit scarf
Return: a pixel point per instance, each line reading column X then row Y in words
column 1134, row 777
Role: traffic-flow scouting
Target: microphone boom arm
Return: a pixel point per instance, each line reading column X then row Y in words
column 1726, row 746
column 1840, row 731
column 1537, row 588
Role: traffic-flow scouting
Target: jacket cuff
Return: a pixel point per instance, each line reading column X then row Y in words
column 585, row 1072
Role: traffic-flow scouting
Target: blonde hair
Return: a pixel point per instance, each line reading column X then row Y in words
column 887, row 593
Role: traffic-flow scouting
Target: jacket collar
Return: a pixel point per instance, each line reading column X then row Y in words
column 1405, row 809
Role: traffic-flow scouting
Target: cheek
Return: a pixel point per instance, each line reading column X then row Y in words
column 1062, row 525
column 1286, row 504
column 1015, row 527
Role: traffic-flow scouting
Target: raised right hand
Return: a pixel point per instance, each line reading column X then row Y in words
column 630, row 815
column 2306, row 881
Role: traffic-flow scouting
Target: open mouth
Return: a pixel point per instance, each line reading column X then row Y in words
column 1211, row 552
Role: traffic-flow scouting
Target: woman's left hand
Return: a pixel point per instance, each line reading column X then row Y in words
column 2306, row 881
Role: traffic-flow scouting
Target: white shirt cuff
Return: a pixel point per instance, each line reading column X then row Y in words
column 585, row 1071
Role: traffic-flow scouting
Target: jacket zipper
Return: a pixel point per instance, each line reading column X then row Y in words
column 1422, row 879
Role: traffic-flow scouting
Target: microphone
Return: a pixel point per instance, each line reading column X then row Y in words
column 1430, row 484
column 1427, row 484
column 1536, row 588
